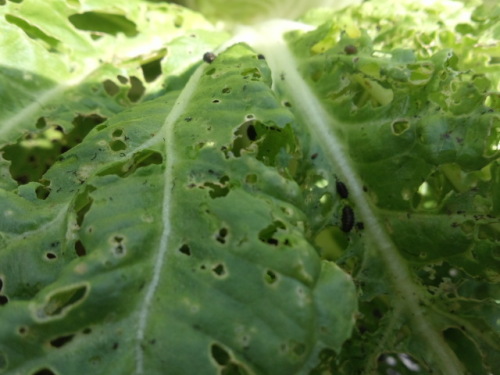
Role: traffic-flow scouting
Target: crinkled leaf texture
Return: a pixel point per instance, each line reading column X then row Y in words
column 305, row 203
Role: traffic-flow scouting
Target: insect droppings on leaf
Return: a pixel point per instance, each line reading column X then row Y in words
column 350, row 49
column 347, row 219
column 341, row 189
column 209, row 57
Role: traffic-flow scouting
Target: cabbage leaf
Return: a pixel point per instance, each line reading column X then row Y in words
column 249, row 195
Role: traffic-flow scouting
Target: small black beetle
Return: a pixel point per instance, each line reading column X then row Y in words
column 341, row 189
column 209, row 57
column 347, row 219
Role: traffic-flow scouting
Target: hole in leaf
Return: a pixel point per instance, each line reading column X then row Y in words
column 270, row 277
column 80, row 249
column 219, row 270
column 152, row 69
column 251, row 132
column 117, row 133
column 35, row 152
column 32, row 31
column 140, row 159
column 50, row 255
column 42, row 192
column 83, row 203
column 400, row 126
column 218, row 190
column 41, row 123
column 251, row 178
column 220, row 355
column 61, row 341
column 117, row 145
column 221, row 236
column 184, row 249
column 216, row 101
column 136, row 90
column 267, row 234
column 44, row 371
column 3, row 300
column 119, row 248
column 110, row 87
column 98, row 23
column 253, row 73
column 62, row 301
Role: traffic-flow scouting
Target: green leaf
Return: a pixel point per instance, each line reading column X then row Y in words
column 313, row 197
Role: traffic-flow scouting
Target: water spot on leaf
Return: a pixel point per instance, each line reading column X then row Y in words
column 220, row 355
column 60, row 341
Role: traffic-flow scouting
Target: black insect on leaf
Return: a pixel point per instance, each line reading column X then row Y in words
column 347, row 219
column 350, row 49
column 261, row 56
column 209, row 57
column 341, row 189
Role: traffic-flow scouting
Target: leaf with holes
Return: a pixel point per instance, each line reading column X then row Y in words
column 312, row 197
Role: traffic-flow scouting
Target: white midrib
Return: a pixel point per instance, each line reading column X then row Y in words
column 270, row 42
column 167, row 134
